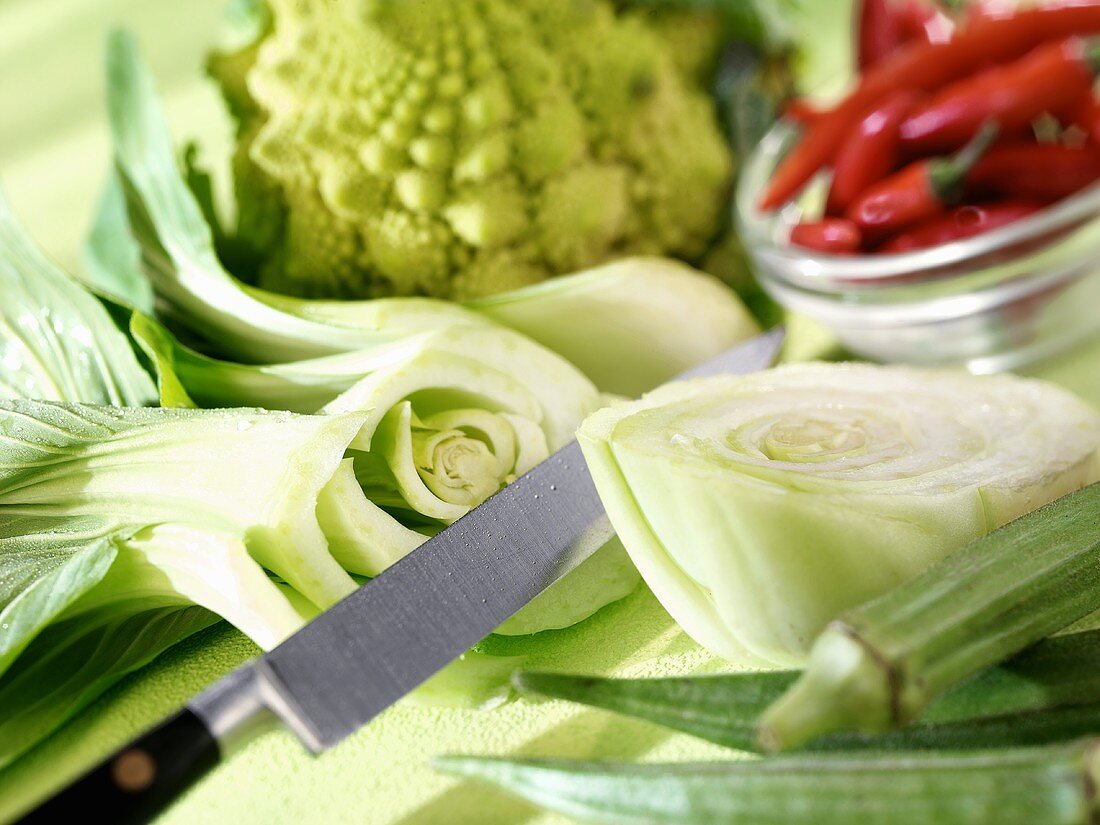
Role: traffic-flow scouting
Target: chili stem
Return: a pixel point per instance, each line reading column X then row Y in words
column 946, row 176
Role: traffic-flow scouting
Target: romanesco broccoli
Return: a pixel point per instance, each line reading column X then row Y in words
column 459, row 149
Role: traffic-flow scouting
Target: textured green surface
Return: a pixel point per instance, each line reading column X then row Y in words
column 53, row 155
column 380, row 774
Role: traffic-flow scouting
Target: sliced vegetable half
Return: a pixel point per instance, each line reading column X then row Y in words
column 758, row 508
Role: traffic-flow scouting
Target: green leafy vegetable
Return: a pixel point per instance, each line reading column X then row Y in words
column 56, row 341
column 1048, row 694
column 450, row 418
column 758, row 508
column 112, row 260
column 1027, row 786
column 494, row 370
column 74, row 660
column 108, row 515
column 460, row 151
column 108, row 464
column 876, row 667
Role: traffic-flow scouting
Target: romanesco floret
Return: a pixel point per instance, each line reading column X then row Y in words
column 459, row 149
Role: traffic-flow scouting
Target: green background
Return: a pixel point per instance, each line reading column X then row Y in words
column 53, row 157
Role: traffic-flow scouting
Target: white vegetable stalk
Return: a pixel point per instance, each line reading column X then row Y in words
column 629, row 325
column 757, row 508
column 182, row 564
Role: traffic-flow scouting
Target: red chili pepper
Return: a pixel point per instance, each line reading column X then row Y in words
column 918, row 191
column 961, row 222
column 1035, row 171
column 836, row 236
column 801, row 111
column 1086, row 117
column 927, row 67
column 879, row 32
column 1051, row 78
column 870, row 153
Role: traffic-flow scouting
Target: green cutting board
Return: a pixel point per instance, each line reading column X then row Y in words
column 53, row 153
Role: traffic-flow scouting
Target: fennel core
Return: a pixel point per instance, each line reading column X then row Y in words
column 875, row 668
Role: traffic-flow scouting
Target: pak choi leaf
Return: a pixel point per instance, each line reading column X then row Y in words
column 76, row 659
column 57, row 342
column 65, row 461
column 111, row 258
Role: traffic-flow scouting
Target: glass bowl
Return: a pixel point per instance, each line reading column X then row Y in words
column 994, row 302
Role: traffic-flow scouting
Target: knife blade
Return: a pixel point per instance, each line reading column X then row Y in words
column 362, row 655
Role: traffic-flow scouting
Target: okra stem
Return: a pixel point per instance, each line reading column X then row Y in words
column 1033, row 786
column 1050, row 693
column 878, row 666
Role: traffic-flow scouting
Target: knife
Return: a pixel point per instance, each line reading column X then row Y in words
column 358, row 658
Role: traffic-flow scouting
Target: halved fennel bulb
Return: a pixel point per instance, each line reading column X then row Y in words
column 759, row 507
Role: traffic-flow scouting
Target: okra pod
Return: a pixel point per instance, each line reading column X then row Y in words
column 1028, row 786
column 878, row 666
column 1049, row 693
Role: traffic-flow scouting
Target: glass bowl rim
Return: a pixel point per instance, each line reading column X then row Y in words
column 816, row 271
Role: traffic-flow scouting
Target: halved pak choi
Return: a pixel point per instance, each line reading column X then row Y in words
column 124, row 530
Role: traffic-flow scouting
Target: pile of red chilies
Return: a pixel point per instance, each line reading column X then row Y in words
column 953, row 129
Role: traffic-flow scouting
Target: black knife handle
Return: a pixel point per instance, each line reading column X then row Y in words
column 140, row 780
